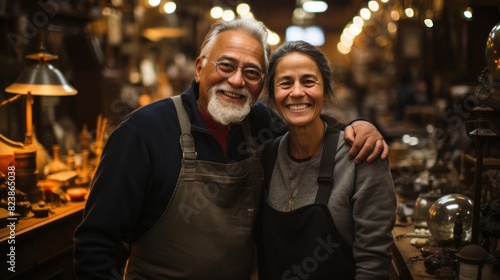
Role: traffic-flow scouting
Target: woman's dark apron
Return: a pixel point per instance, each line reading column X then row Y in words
column 206, row 232
column 303, row 243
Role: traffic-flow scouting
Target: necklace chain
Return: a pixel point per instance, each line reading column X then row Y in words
column 293, row 192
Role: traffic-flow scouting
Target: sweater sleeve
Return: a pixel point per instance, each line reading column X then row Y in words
column 113, row 205
column 374, row 210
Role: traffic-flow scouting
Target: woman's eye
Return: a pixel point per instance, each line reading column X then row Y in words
column 284, row 85
column 309, row 83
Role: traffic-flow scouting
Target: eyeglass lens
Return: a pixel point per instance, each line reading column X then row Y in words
column 226, row 69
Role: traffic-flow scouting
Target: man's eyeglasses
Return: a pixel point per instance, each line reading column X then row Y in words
column 226, row 69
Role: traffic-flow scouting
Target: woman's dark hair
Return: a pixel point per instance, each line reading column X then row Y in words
column 303, row 48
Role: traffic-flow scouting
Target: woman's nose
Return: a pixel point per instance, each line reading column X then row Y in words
column 297, row 90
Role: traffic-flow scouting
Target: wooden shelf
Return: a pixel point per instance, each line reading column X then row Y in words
column 488, row 162
column 469, row 165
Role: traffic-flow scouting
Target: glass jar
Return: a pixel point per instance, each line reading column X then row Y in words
column 422, row 206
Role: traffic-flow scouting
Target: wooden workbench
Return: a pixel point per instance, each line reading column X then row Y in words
column 43, row 246
column 408, row 263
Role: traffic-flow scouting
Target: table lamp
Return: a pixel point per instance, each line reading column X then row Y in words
column 41, row 79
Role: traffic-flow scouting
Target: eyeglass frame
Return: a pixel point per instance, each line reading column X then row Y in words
column 236, row 67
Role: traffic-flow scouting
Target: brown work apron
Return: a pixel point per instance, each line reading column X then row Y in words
column 206, row 231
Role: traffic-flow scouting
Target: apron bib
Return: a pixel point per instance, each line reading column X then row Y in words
column 308, row 245
column 206, row 231
column 306, row 242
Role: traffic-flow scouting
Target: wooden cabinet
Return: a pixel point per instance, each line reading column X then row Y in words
column 43, row 246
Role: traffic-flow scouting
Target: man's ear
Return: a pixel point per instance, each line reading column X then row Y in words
column 197, row 69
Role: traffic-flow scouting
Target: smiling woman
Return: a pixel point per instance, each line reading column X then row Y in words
column 310, row 206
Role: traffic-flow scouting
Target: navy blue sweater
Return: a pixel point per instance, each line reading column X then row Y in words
column 138, row 172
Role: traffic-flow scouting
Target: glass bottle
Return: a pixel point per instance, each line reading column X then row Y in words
column 84, row 175
column 70, row 160
column 56, row 165
column 84, row 138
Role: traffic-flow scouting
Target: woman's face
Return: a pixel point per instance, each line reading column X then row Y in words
column 298, row 89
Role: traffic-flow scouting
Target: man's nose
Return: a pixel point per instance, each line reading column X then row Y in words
column 237, row 78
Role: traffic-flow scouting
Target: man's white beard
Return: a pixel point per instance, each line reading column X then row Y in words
column 227, row 112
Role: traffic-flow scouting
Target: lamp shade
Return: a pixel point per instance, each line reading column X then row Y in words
column 474, row 263
column 41, row 79
column 161, row 26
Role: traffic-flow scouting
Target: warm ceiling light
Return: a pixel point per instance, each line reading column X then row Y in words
column 343, row 49
column 273, row 39
column 243, row 9
column 468, row 13
column 358, row 21
column 154, row 3
column 409, row 12
column 216, row 12
column 354, row 29
column 346, row 36
column 169, row 7
column 395, row 15
column 228, row 15
column 373, row 5
column 299, row 13
column 428, row 22
column 392, row 27
column 315, row 6
column 365, row 13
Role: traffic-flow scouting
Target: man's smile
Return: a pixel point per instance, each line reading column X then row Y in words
column 232, row 94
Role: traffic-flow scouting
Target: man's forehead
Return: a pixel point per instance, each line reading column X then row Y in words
column 238, row 45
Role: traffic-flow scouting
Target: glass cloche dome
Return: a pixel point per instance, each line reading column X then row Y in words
column 442, row 215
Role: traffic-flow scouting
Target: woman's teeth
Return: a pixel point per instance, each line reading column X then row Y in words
column 297, row 107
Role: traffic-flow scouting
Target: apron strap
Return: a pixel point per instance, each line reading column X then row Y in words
column 186, row 139
column 327, row 164
column 268, row 160
column 252, row 146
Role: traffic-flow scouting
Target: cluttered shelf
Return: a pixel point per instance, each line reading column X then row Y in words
column 41, row 247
